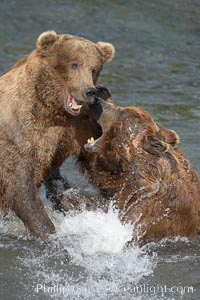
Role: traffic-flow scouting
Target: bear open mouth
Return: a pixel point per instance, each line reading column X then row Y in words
column 72, row 105
column 92, row 144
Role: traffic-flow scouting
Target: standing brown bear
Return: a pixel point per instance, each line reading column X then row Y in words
column 43, row 121
column 138, row 163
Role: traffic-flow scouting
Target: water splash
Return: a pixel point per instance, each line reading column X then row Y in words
column 96, row 231
column 87, row 258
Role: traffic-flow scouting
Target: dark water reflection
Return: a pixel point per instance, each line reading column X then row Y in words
column 157, row 66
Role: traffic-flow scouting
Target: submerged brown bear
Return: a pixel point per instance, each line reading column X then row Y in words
column 42, row 120
column 138, row 163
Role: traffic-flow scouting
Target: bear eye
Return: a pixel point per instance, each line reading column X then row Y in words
column 94, row 71
column 75, row 66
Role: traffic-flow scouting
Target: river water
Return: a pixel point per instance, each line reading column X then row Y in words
column 157, row 66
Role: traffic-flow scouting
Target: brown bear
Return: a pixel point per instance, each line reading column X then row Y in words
column 138, row 163
column 44, row 119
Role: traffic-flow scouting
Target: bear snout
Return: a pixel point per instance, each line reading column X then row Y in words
column 90, row 94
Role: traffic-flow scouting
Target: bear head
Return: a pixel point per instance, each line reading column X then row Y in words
column 77, row 62
column 129, row 133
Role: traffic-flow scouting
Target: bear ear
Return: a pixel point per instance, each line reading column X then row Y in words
column 46, row 39
column 154, row 145
column 169, row 136
column 107, row 50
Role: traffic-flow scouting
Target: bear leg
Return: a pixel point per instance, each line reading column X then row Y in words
column 21, row 195
column 55, row 185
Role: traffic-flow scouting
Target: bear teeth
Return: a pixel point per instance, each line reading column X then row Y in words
column 90, row 141
column 72, row 105
column 76, row 106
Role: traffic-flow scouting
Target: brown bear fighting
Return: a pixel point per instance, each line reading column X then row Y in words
column 42, row 120
column 138, row 163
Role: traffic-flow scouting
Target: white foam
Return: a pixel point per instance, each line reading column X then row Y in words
column 87, row 256
column 96, row 231
column 91, row 260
